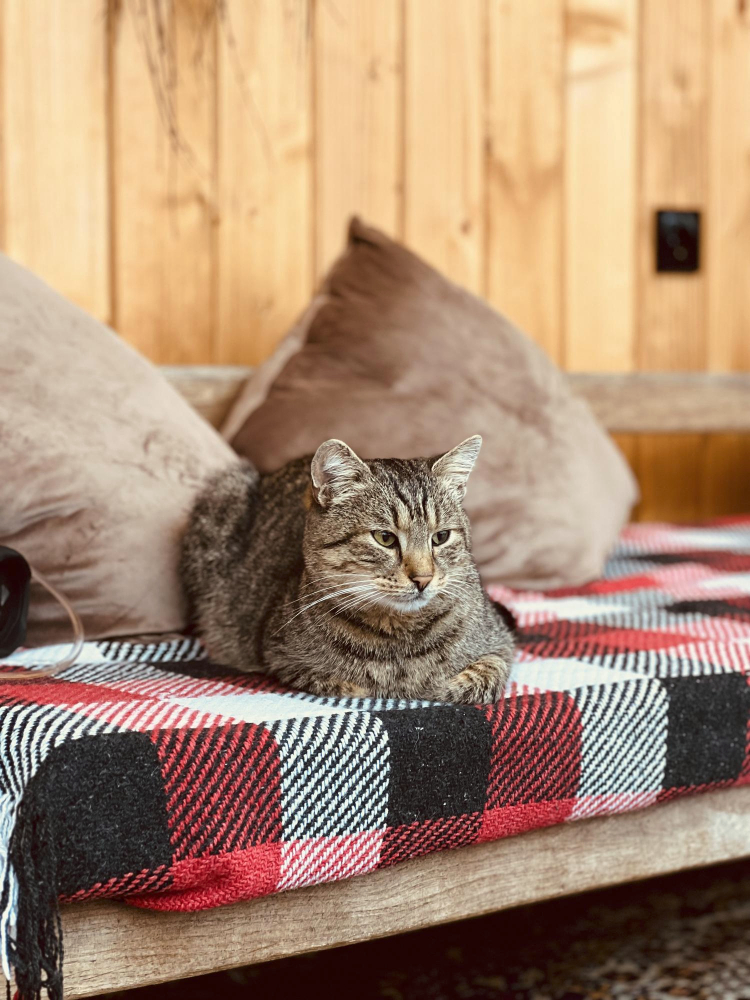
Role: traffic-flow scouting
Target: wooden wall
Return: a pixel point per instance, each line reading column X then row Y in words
column 184, row 168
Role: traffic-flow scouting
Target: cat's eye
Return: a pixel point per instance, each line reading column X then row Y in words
column 385, row 538
column 441, row 537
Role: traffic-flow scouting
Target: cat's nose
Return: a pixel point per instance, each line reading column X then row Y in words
column 420, row 582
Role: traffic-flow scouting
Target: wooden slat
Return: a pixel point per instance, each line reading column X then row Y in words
column 443, row 136
column 54, row 145
column 109, row 947
column 628, row 445
column 726, row 473
column 211, row 390
column 163, row 108
column 600, row 184
column 728, row 231
column 3, row 116
column 667, row 403
column 672, row 307
column 358, row 127
column 633, row 403
column 524, row 167
column 265, row 242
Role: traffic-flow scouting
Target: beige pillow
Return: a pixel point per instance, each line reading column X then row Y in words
column 397, row 361
column 99, row 462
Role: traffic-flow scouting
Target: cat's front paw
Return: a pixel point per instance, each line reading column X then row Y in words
column 348, row 690
column 481, row 683
column 330, row 688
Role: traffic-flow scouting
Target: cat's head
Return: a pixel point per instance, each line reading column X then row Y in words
column 389, row 532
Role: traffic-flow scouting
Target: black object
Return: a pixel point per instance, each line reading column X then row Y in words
column 677, row 241
column 15, row 580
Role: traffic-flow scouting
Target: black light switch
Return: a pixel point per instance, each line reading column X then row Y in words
column 677, row 241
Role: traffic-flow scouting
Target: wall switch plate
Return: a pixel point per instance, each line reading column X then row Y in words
column 677, row 241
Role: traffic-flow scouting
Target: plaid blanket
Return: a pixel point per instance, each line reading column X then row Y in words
column 147, row 772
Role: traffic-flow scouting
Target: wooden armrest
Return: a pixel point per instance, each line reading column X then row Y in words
column 631, row 403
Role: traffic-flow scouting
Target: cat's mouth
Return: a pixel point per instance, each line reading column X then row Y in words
column 409, row 600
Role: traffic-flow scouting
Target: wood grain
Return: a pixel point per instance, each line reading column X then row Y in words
column 110, row 947
column 443, row 136
column 210, row 389
column 625, row 404
column 524, row 147
column 672, row 307
column 726, row 469
column 54, row 145
column 265, row 240
column 358, row 126
column 688, row 403
column 601, row 182
column 728, row 223
column 163, row 118
column 3, row 117
column 725, row 475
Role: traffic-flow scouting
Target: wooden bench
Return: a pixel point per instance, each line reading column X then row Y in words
column 110, row 946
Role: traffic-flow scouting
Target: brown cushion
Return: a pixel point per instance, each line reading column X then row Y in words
column 99, row 462
column 397, row 361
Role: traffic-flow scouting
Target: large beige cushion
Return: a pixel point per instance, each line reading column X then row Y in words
column 99, row 462
column 397, row 361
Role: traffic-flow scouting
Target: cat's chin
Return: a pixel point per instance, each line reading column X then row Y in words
column 406, row 603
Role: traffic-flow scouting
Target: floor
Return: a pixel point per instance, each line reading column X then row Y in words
column 686, row 935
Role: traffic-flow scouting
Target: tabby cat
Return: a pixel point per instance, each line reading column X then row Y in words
column 346, row 577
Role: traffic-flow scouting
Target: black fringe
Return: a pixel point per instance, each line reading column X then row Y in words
column 36, row 952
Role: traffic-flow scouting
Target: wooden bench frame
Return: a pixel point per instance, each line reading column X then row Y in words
column 110, row 946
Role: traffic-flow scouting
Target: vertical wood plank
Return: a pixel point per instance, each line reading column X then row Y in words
column 726, row 475
column 727, row 469
column 3, row 112
column 265, row 241
column 628, row 445
column 672, row 307
column 524, row 166
column 601, row 169
column 55, row 145
column 670, row 467
column 728, row 231
column 164, row 178
column 358, row 128
column 443, row 136
column 674, row 164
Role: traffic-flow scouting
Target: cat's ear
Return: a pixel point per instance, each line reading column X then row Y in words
column 455, row 465
column 336, row 472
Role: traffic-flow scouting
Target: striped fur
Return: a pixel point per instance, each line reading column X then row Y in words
column 335, row 575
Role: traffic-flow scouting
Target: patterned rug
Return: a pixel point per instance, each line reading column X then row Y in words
column 147, row 772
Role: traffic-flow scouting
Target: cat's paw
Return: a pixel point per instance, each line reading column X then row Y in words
column 348, row 690
column 481, row 683
column 330, row 688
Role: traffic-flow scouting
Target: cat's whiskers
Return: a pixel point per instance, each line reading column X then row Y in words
column 361, row 604
column 326, row 597
column 354, row 602
column 456, row 588
column 354, row 579
column 332, row 578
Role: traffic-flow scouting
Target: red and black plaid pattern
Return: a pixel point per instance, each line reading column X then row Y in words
column 179, row 785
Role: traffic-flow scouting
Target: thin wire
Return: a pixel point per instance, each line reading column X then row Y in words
column 75, row 649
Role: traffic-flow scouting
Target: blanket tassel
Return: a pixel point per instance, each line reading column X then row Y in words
column 36, row 951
